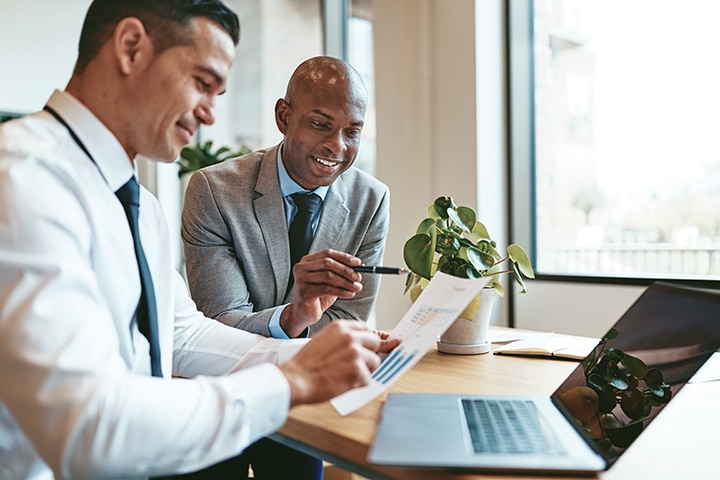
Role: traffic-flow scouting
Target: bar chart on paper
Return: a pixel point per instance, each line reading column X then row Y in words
column 393, row 365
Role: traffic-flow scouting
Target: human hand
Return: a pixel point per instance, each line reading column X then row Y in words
column 320, row 279
column 340, row 357
column 382, row 334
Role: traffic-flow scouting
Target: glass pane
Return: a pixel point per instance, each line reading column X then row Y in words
column 276, row 36
column 626, row 138
column 360, row 56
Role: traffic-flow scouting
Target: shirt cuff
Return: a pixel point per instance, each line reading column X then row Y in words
column 275, row 329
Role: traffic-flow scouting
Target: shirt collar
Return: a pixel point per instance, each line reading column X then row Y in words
column 106, row 150
column 288, row 186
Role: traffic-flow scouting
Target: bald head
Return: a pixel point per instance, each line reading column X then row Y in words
column 327, row 76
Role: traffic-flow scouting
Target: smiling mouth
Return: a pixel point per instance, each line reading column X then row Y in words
column 189, row 132
column 327, row 163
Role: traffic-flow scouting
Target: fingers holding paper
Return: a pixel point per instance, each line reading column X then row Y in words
column 342, row 356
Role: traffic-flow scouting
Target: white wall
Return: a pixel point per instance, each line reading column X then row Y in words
column 430, row 140
column 426, row 123
column 39, row 41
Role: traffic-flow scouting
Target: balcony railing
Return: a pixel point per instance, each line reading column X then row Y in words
column 636, row 260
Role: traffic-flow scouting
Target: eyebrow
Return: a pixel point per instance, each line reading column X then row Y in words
column 359, row 123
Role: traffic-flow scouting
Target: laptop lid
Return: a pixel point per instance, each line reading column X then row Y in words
column 639, row 365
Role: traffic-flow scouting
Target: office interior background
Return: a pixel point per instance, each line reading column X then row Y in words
column 585, row 131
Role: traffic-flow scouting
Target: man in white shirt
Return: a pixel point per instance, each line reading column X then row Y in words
column 77, row 399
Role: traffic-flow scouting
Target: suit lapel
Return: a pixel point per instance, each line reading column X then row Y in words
column 334, row 216
column 270, row 211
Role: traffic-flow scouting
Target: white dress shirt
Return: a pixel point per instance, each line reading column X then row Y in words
column 76, row 398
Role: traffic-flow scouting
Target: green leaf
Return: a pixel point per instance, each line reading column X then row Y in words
column 479, row 231
column 410, row 281
column 632, row 403
column 655, row 382
column 221, row 151
column 606, row 395
column 521, row 259
column 658, row 400
column 447, row 244
column 477, row 258
column 467, row 218
column 589, row 362
column 614, row 355
column 419, row 253
column 497, row 286
column 472, row 272
column 442, row 204
column 519, row 279
column 474, row 257
column 615, row 377
column 612, row 333
column 487, row 247
column 466, row 243
column 426, row 225
column 634, row 366
column 415, row 292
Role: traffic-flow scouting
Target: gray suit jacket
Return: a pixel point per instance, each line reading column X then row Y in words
column 236, row 239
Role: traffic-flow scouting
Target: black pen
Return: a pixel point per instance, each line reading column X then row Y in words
column 373, row 269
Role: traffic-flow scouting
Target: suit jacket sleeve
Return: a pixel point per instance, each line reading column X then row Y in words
column 215, row 276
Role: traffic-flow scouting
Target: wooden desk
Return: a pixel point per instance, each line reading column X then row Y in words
column 680, row 443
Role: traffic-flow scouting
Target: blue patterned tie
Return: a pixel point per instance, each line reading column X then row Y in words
column 129, row 196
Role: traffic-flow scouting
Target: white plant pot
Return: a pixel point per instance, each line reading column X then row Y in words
column 468, row 334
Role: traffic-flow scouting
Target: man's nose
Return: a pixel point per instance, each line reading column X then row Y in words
column 335, row 141
column 205, row 113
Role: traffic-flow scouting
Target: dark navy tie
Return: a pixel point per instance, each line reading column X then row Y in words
column 301, row 232
column 129, row 196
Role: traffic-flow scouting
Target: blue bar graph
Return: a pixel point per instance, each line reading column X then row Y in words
column 392, row 365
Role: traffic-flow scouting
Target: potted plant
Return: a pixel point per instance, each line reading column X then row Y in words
column 452, row 240
column 195, row 157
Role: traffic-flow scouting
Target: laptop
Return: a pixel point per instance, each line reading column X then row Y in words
column 658, row 344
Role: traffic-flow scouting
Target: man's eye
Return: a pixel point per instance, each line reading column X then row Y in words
column 321, row 125
column 353, row 133
column 204, row 86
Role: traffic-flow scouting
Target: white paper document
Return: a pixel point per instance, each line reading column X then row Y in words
column 440, row 303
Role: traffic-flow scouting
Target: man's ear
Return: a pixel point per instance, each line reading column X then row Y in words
column 282, row 110
column 131, row 43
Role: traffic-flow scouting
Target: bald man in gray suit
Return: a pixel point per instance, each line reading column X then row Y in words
column 235, row 224
column 237, row 214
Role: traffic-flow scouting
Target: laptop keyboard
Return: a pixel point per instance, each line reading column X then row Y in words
column 505, row 426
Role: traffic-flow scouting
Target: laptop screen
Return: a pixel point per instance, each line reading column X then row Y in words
column 640, row 365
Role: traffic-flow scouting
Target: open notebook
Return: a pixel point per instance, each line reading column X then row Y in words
column 551, row 345
column 579, row 429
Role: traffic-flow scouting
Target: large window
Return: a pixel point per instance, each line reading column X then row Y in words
column 618, row 136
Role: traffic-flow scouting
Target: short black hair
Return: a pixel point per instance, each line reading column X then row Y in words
column 166, row 21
